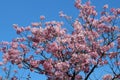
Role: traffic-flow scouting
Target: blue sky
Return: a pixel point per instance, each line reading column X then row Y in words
column 23, row 12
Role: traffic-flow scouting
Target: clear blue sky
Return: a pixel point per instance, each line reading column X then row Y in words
column 23, row 12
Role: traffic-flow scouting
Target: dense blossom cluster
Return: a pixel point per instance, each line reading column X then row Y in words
column 47, row 48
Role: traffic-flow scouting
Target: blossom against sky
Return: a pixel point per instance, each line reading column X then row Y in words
column 24, row 12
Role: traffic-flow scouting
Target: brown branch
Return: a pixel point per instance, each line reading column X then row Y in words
column 86, row 78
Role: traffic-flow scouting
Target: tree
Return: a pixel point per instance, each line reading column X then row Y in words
column 47, row 48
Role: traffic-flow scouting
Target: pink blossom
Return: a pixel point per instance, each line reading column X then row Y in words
column 15, row 26
column 105, row 48
column 23, row 46
column 105, row 62
column 113, row 10
column 48, row 65
column 14, row 78
column 4, row 68
column 27, row 28
column 61, row 54
column 94, row 55
column 15, row 71
column 61, row 14
column 118, row 40
column 107, row 77
column 5, row 43
column 94, row 13
column 20, row 39
column 118, row 11
column 34, row 30
column 58, row 73
column 86, row 69
column 35, row 44
column 1, row 63
column 78, row 77
column 1, row 78
column 78, row 4
column 34, row 63
column 62, row 66
column 113, row 54
column 117, row 63
column 14, row 45
column 42, row 17
column 37, row 51
column 52, row 47
column 20, row 66
column 105, row 6
column 35, row 24
column 77, row 25
column 93, row 62
column 18, row 29
column 13, row 52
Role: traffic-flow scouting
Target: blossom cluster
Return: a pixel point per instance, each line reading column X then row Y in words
column 47, row 48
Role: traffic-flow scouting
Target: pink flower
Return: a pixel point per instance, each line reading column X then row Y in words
column 13, row 52
column 4, row 43
column 14, row 78
column 20, row 66
column 77, row 25
column 52, row 47
column 34, row 30
column 27, row 28
column 78, row 77
column 35, row 24
column 15, row 26
column 62, row 66
column 105, row 62
column 15, row 71
column 113, row 10
column 1, row 63
column 38, row 51
column 93, row 62
column 20, row 39
column 34, row 63
column 118, row 11
column 48, row 66
column 105, row 48
column 117, row 63
column 4, row 68
column 107, row 77
column 42, row 17
column 105, row 6
column 94, row 55
column 23, row 46
column 14, row 45
column 18, row 29
column 61, row 14
column 86, row 69
column 1, row 78
column 58, row 73
column 94, row 13
column 113, row 54
column 63, row 55
column 78, row 4
column 118, row 40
